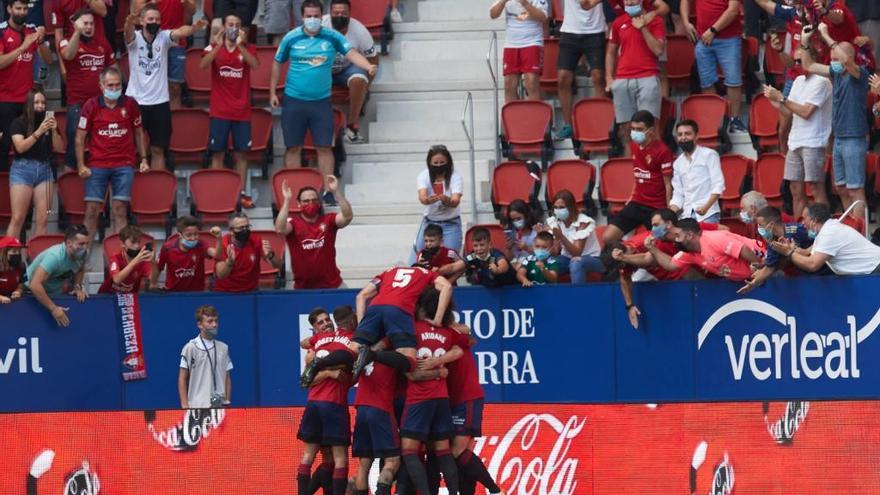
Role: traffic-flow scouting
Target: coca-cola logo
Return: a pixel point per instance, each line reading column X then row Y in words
column 722, row 477
column 82, row 481
column 197, row 425
column 783, row 429
column 533, row 456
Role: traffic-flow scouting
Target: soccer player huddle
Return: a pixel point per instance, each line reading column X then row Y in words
column 419, row 401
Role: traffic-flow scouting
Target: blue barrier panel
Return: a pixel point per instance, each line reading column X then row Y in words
column 807, row 339
column 44, row 367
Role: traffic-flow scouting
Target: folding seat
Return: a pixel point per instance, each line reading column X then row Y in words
column 154, row 198
column 261, row 139
column 737, row 226
column 680, row 61
column 615, row 184
column 593, row 127
column 269, row 275
column 774, row 68
column 39, row 243
column 736, row 168
column 72, row 207
column 215, row 195
column 526, row 130
column 763, row 124
column 510, row 181
column 496, row 236
column 768, row 172
column 198, row 80
column 261, row 75
column 189, row 136
column 296, row 178
column 710, row 113
column 577, row 176
column 549, row 80
column 375, row 15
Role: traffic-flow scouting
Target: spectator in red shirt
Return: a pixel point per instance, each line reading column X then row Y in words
column 437, row 257
column 183, row 259
column 173, row 14
column 238, row 263
column 718, row 35
column 652, row 168
column 19, row 43
column 311, row 235
column 633, row 75
column 84, row 57
column 112, row 124
column 130, row 265
column 62, row 23
column 231, row 59
column 12, row 271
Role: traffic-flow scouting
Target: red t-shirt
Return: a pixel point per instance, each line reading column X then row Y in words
column 18, row 77
column 441, row 258
column 431, row 341
column 401, row 287
column 230, row 84
column 173, row 16
column 132, row 283
column 635, row 60
column 331, row 390
column 650, row 165
column 186, row 269
column 709, row 11
column 63, row 10
column 110, row 131
column 376, row 387
column 313, row 252
column 463, row 380
column 245, row 274
column 84, row 71
column 9, row 280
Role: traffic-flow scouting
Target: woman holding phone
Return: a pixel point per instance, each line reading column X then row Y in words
column 34, row 136
column 440, row 189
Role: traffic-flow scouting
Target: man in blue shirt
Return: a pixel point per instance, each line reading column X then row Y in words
column 772, row 228
column 59, row 266
column 306, row 106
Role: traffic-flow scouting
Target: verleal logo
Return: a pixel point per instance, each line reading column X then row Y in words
column 814, row 354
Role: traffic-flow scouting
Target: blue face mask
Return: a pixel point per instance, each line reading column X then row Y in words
column 519, row 223
column 189, row 244
column 659, row 231
column 745, row 217
column 561, row 214
column 836, row 67
column 312, row 24
column 633, row 10
column 812, row 234
column 638, row 137
column 766, row 234
column 112, row 94
column 541, row 254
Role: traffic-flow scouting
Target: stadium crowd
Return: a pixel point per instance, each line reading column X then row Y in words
column 118, row 124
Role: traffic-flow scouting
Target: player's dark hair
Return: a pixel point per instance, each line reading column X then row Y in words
column 480, row 234
column 305, row 189
column 433, row 230
column 311, row 3
column 688, row 123
column 819, row 212
column 545, row 236
column 612, row 266
column 231, row 14
column 74, row 230
column 523, row 209
column 81, row 12
column 643, row 117
column 345, row 317
column 315, row 313
column 427, row 306
column 130, row 233
column 666, row 215
column 205, row 310
column 432, row 170
column 770, row 214
column 186, row 221
column 148, row 7
column 689, row 225
column 340, row 2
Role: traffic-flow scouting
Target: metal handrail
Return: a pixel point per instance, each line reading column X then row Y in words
column 492, row 62
column 467, row 118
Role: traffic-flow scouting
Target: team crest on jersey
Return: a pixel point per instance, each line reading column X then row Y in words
column 124, row 113
column 322, row 227
column 325, row 46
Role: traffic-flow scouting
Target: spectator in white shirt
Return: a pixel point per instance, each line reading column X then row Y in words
column 148, row 78
column 810, row 103
column 577, row 245
column 524, row 44
column 697, row 180
column 440, row 189
column 841, row 247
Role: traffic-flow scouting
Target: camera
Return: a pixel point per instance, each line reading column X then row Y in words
column 217, row 400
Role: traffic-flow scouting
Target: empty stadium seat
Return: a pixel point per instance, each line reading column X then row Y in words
column 577, row 176
column 680, row 61
column 768, row 173
column 198, row 80
column 189, row 136
column 615, row 184
column 496, row 237
column 39, row 243
column 710, row 113
column 261, row 139
column 269, row 275
column 549, row 76
column 375, row 15
column 510, row 181
column 112, row 244
column 737, row 226
column 593, row 127
column 215, row 194
column 296, row 178
column 735, row 169
column 72, row 208
column 763, row 123
column 526, row 130
column 261, row 75
column 154, row 198
column 774, row 68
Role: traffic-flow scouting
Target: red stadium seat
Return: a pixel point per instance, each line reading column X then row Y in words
column 768, row 172
column 198, row 80
column 557, row 15
column 735, row 169
column 600, row 231
column 112, row 244
column 710, row 113
column 269, row 275
column 666, row 122
column 510, row 181
column 496, row 237
column 189, row 137
column 375, row 15
column 261, row 139
column 681, row 60
column 526, row 129
column 593, row 127
column 616, row 183
column 763, row 123
column 261, row 75
column 153, row 198
column 774, row 68
column 72, row 209
column 5, row 205
column 122, row 60
column 215, row 194
column 296, row 178
column 208, row 241
column 577, row 176
column 549, row 77
column 39, row 243
column 737, row 226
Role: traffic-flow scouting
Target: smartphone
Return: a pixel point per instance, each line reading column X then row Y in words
column 438, row 188
column 149, row 246
column 50, row 114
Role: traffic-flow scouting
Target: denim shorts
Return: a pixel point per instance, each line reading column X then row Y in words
column 299, row 116
column 176, row 64
column 120, row 179
column 725, row 52
column 29, row 172
column 345, row 75
column 848, row 159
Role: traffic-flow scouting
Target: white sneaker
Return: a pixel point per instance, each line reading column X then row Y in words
column 352, row 136
column 395, row 16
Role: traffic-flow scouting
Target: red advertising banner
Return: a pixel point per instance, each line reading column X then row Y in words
column 717, row 449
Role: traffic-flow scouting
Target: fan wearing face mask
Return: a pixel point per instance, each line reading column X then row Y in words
column 11, row 270
column 182, row 257
column 697, row 180
column 131, row 265
column 577, row 245
column 238, row 266
column 58, row 270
